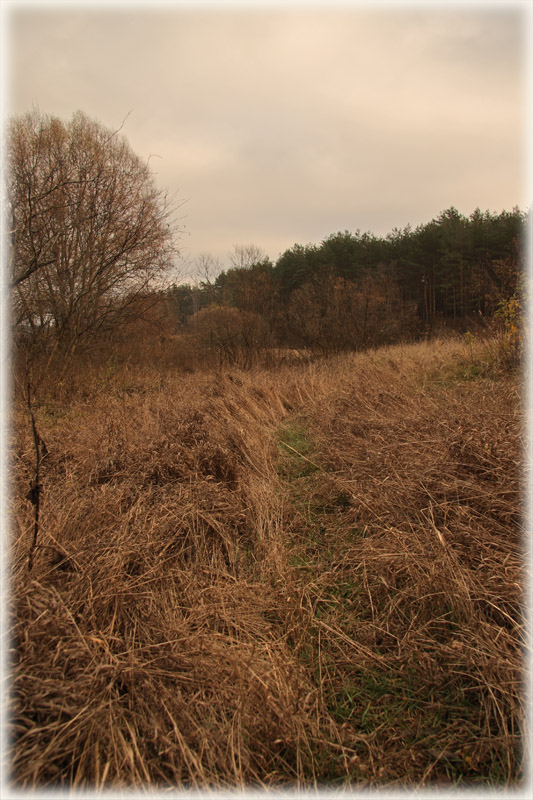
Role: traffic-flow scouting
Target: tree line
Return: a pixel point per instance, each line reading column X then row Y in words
column 355, row 290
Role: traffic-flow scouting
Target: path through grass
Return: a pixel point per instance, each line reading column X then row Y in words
column 388, row 499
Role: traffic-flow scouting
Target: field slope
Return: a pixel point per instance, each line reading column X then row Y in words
column 307, row 576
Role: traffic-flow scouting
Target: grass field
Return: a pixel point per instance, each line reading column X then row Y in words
column 304, row 576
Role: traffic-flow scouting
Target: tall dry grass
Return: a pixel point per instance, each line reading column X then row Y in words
column 304, row 576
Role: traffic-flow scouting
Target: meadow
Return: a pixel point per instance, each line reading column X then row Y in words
column 304, row 576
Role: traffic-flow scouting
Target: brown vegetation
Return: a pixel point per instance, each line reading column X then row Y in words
column 304, row 576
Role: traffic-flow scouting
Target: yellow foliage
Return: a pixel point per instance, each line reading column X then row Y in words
column 511, row 312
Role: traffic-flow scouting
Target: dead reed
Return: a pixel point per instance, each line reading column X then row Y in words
column 304, row 576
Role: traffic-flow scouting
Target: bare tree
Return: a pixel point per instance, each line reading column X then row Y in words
column 90, row 229
column 244, row 256
column 208, row 267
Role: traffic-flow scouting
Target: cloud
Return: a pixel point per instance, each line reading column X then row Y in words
column 282, row 124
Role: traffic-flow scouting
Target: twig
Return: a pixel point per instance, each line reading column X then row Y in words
column 34, row 493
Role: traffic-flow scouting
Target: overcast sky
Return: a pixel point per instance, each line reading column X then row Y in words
column 279, row 125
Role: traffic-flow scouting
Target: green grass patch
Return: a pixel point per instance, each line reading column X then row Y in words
column 449, row 375
column 301, row 562
column 296, row 451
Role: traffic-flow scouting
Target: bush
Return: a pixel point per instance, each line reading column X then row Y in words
column 229, row 335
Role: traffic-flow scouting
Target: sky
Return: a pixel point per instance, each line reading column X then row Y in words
column 282, row 124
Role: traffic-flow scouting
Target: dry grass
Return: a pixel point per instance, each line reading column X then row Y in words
column 299, row 577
